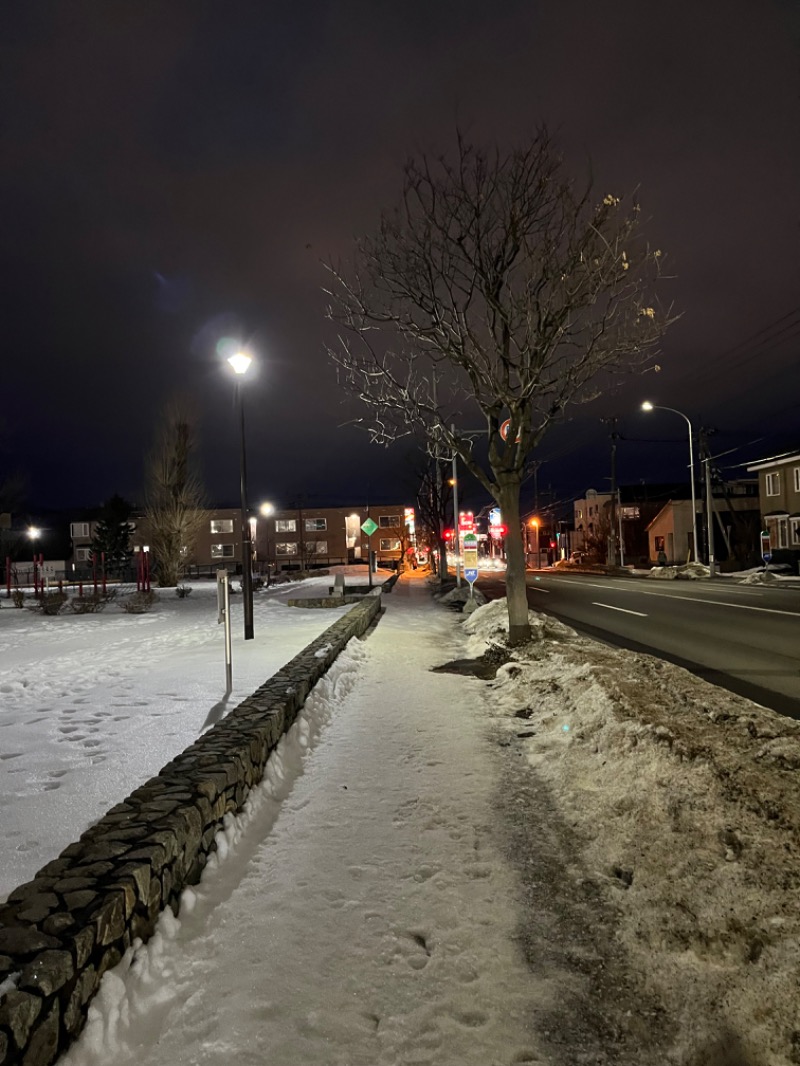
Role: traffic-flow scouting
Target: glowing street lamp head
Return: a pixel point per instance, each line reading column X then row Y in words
column 34, row 533
column 647, row 406
column 240, row 362
column 266, row 509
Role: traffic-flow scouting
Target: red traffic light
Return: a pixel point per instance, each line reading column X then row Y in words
column 448, row 534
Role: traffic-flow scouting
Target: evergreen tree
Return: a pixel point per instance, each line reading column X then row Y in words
column 112, row 534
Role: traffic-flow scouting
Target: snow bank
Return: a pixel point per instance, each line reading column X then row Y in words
column 687, row 572
column 686, row 799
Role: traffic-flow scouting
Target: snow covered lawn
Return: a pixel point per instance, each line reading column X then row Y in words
column 93, row 705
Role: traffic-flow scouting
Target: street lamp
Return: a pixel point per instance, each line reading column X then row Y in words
column 240, row 363
column 647, row 406
column 534, row 524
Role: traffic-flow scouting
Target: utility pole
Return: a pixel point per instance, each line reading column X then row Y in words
column 612, row 533
column 705, row 459
column 456, row 531
column 536, row 464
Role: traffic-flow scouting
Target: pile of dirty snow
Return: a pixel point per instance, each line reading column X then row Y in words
column 686, row 800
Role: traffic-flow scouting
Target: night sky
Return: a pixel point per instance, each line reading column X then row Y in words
column 175, row 172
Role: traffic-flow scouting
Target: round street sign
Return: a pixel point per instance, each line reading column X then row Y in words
column 504, row 426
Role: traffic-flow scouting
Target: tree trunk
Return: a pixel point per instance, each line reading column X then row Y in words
column 519, row 630
column 441, row 548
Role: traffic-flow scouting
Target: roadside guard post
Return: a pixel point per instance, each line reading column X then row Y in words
column 224, row 615
column 471, row 561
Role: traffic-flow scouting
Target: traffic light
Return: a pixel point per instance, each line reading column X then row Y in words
column 448, row 534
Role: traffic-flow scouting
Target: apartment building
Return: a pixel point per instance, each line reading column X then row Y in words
column 302, row 537
column 779, row 493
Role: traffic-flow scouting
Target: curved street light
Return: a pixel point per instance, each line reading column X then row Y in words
column 647, row 406
column 240, row 363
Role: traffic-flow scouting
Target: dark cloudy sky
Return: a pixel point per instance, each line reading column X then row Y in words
column 172, row 171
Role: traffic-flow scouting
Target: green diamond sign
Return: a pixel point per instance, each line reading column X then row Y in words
column 369, row 527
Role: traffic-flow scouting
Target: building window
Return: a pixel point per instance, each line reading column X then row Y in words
column 389, row 521
column 390, row 545
column 778, row 532
column 658, row 544
column 316, row 547
column 797, row 479
column 313, row 524
column 630, row 512
column 794, row 530
column 285, row 525
column 78, row 529
column 82, row 554
column 222, row 525
column 221, row 551
column 773, row 484
column 288, row 548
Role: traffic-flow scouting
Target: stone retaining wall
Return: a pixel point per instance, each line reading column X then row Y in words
column 61, row 931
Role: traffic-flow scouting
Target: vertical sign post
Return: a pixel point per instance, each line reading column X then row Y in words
column 471, row 561
column 369, row 528
column 766, row 547
column 224, row 615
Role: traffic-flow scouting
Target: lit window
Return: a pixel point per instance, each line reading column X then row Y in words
column 313, row 524
column 390, row 545
column 773, row 484
column 389, row 521
column 222, row 525
column 221, row 551
column 288, row 548
column 285, row 525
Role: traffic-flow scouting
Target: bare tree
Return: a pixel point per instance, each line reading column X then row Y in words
column 433, row 501
column 499, row 280
column 175, row 510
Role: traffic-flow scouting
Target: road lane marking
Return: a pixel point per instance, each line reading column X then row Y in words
column 622, row 609
column 535, row 588
column 747, row 607
column 678, row 595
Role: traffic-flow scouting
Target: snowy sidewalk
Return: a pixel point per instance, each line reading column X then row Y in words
column 360, row 912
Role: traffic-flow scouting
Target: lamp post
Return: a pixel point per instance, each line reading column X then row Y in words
column 647, row 406
column 534, row 523
column 266, row 510
column 240, row 363
column 33, row 534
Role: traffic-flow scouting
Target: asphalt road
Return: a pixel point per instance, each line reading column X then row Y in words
column 743, row 637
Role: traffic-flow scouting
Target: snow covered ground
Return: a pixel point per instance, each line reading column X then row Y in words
column 93, row 705
column 592, row 856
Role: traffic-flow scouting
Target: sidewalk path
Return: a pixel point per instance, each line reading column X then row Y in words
column 362, row 912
